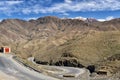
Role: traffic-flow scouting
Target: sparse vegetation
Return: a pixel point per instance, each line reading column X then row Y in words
column 66, row 42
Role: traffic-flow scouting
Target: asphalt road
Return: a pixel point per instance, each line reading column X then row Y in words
column 61, row 71
column 12, row 68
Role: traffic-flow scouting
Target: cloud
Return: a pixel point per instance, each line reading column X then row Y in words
column 46, row 6
column 64, row 14
column 68, row 1
column 26, row 11
column 10, row 3
column 109, row 18
column 101, row 20
column 30, row 18
column 106, row 19
column 80, row 17
column 86, row 5
column 13, row 2
column 1, row 20
column 9, row 7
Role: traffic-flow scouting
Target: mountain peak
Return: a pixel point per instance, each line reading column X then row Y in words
column 48, row 17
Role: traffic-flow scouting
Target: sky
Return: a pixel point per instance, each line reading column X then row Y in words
column 33, row 9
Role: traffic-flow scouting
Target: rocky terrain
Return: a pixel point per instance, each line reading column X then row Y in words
column 64, row 42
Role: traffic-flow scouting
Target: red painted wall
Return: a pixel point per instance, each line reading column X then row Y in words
column 7, row 50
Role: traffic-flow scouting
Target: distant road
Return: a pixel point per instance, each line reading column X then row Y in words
column 14, row 69
column 60, row 71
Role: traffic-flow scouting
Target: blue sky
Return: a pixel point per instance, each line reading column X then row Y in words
column 32, row 9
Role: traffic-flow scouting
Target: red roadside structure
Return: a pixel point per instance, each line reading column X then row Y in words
column 5, row 49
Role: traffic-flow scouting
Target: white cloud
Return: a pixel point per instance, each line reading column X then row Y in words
column 9, row 7
column 101, row 20
column 80, row 17
column 106, row 19
column 85, row 5
column 34, row 18
column 68, row 1
column 65, row 14
column 10, row 3
column 13, row 2
column 26, row 11
column 91, row 5
column 109, row 18
column 1, row 20
column 38, row 6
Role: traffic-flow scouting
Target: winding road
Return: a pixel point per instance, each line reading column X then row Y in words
column 15, row 70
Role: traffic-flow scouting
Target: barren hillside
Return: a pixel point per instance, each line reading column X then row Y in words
column 66, row 42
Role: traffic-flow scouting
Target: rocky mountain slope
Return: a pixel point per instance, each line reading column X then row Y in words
column 66, row 42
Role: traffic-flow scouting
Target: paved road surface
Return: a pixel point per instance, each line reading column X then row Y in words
column 12, row 68
column 60, row 71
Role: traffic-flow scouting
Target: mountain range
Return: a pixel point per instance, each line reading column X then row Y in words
column 63, row 42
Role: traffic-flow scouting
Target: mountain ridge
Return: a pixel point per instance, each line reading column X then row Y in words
column 63, row 42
